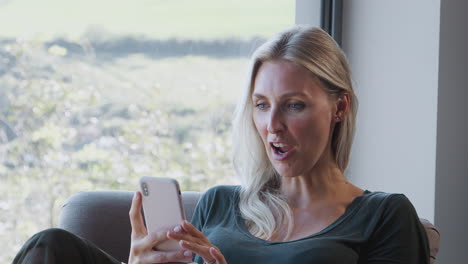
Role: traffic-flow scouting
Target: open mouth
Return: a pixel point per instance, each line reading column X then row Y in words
column 280, row 150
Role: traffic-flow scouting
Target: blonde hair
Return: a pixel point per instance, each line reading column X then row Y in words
column 261, row 204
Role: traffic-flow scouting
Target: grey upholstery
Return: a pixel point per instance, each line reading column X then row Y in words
column 102, row 217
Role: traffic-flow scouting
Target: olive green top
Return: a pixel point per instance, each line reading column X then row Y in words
column 375, row 228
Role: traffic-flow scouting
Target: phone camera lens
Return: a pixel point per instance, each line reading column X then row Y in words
column 144, row 187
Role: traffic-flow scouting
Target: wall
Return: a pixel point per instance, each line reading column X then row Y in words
column 451, row 212
column 410, row 66
column 393, row 47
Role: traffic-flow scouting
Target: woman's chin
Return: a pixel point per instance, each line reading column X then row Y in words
column 286, row 171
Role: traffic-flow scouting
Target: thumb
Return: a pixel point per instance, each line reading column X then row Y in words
column 136, row 218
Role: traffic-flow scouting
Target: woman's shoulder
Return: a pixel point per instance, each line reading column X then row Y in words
column 220, row 195
column 222, row 190
column 382, row 207
column 391, row 224
column 215, row 205
column 385, row 201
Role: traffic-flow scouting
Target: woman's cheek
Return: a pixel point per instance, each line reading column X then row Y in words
column 260, row 124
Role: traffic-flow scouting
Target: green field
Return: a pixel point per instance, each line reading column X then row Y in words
column 161, row 19
column 192, row 82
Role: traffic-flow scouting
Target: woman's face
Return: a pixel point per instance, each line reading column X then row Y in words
column 294, row 117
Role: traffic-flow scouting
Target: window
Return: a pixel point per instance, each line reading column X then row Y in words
column 95, row 94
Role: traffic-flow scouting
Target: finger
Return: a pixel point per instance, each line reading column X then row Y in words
column 179, row 234
column 202, row 251
column 189, row 228
column 136, row 219
column 216, row 254
column 154, row 238
column 172, row 256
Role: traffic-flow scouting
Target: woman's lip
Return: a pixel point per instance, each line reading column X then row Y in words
column 276, row 155
column 284, row 146
column 278, row 142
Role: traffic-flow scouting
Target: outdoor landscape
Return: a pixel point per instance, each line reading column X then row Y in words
column 99, row 106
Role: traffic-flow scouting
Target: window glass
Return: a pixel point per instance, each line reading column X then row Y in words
column 96, row 93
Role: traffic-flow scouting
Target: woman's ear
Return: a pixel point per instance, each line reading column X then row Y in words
column 342, row 107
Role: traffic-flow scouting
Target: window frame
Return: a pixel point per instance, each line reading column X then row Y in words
column 329, row 18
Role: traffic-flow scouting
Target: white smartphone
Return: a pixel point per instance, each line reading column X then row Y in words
column 162, row 206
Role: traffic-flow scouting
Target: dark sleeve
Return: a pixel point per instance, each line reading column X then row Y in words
column 399, row 236
column 214, row 205
column 210, row 209
column 199, row 217
column 200, row 213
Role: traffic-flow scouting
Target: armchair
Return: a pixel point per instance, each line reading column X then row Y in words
column 102, row 218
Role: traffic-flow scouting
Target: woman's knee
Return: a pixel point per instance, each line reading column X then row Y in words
column 55, row 237
column 47, row 246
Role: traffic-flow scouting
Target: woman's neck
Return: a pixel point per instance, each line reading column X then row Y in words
column 325, row 183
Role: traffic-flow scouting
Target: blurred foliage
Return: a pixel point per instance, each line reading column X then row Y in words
column 61, row 132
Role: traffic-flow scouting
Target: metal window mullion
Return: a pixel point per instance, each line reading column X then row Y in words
column 331, row 16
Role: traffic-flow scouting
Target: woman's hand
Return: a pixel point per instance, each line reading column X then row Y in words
column 190, row 238
column 143, row 244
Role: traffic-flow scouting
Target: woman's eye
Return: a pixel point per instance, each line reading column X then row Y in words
column 296, row 106
column 261, row 106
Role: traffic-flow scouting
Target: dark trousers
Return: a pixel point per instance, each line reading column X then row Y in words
column 56, row 246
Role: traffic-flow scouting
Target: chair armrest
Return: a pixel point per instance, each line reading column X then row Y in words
column 433, row 236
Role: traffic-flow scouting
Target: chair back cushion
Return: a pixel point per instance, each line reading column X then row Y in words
column 102, row 218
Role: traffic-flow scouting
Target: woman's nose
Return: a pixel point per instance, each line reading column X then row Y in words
column 275, row 122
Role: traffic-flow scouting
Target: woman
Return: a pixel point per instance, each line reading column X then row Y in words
column 292, row 139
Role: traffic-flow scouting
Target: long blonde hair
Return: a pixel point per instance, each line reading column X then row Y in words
column 261, row 204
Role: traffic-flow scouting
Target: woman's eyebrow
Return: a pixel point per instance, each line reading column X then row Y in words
column 257, row 95
column 291, row 94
